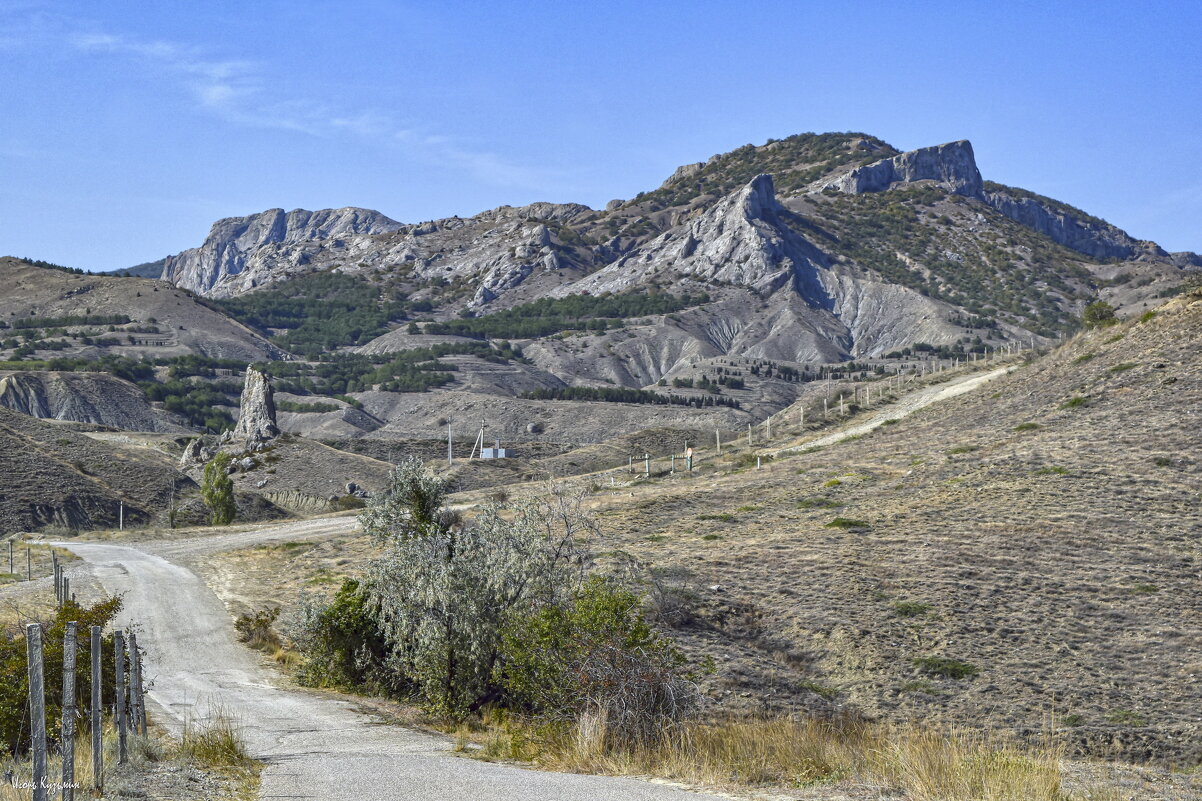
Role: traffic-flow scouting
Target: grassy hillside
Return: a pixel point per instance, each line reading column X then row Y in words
column 1030, row 548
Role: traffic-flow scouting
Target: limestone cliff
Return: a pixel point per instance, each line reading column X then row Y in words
column 952, row 165
column 237, row 245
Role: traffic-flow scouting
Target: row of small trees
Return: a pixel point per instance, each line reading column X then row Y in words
column 499, row 610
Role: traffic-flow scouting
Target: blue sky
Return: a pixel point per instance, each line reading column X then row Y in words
column 129, row 128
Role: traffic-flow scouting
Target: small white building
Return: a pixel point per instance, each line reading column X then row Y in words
column 496, row 453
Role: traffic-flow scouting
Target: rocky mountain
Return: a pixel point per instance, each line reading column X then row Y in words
column 768, row 262
column 720, row 223
column 237, row 249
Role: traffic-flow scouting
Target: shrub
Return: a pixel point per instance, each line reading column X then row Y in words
column 1027, row 427
column 910, row 609
column 1074, row 402
column 444, row 589
column 1099, row 314
column 343, row 644
column 945, row 667
column 14, row 671
column 595, row 660
column 217, row 490
column 256, row 629
column 345, row 503
column 845, row 522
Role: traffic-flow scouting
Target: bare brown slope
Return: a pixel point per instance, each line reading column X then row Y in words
column 1051, row 544
column 54, row 474
column 186, row 325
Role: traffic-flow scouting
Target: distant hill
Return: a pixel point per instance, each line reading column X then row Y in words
column 709, row 301
column 148, row 269
column 147, row 317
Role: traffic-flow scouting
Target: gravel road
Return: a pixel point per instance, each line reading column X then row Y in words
column 314, row 747
column 904, row 406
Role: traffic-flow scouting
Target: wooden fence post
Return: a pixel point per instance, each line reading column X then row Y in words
column 97, row 706
column 136, row 702
column 68, row 744
column 37, row 709
column 119, row 711
column 28, row 564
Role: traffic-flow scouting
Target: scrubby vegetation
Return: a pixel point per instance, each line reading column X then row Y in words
column 623, row 395
column 1012, row 275
column 575, row 312
column 413, row 370
column 794, row 162
column 495, row 612
column 318, row 312
column 14, row 686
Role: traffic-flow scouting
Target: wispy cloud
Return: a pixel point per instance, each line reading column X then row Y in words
column 236, row 90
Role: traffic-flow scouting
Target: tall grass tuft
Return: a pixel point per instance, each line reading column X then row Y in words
column 215, row 743
column 925, row 765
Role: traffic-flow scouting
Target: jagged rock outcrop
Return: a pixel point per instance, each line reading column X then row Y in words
column 256, row 416
column 236, row 244
column 1095, row 238
column 197, row 452
column 784, row 297
column 739, row 240
column 952, row 165
column 97, row 398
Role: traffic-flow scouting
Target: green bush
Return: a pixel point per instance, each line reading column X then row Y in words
column 14, row 671
column 217, row 490
column 845, row 522
column 910, row 609
column 596, row 653
column 344, row 646
column 1099, row 314
column 945, row 667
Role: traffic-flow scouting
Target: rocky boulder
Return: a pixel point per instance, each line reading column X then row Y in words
column 256, row 417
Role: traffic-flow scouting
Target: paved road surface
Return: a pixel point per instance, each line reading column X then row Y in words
column 315, row 747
